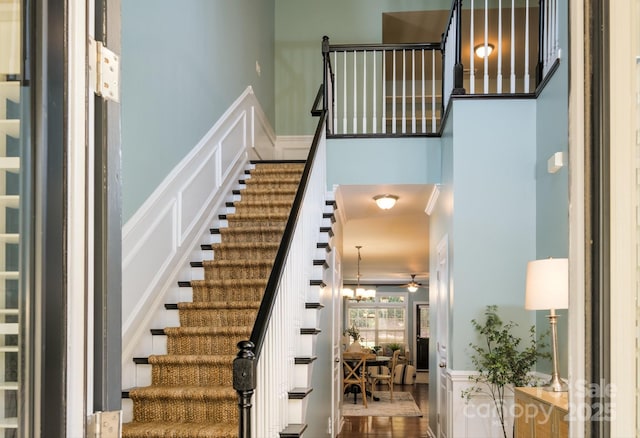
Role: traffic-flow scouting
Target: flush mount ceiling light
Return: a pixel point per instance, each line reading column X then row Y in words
column 483, row 50
column 385, row 202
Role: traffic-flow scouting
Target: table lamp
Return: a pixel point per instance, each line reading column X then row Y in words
column 547, row 287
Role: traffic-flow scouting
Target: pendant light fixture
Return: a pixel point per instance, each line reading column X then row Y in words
column 360, row 293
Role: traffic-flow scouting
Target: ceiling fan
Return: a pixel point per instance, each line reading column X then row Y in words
column 413, row 285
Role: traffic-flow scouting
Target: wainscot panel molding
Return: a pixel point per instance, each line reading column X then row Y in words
column 159, row 239
column 293, row 147
column 477, row 417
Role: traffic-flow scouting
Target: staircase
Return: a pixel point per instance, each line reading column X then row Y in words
column 191, row 393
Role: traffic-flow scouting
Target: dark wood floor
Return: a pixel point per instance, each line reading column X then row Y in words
column 396, row 427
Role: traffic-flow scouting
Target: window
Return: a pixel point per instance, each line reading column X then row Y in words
column 380, row 321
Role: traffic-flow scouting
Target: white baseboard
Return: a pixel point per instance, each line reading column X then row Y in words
column 160, row 237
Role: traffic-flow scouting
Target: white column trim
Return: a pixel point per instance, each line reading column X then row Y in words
column 623, row 203
column 576, row 318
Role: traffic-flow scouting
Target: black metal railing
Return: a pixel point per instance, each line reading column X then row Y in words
column 403, row 89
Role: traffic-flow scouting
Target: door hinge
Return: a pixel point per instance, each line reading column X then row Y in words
column 104, row 71
column 104, row 424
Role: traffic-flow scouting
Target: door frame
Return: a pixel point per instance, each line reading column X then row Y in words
column 442, row 332
column 415, row 326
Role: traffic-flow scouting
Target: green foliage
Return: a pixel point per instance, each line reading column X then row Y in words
column 502, row 360
column 394, row 346
column 353, row 332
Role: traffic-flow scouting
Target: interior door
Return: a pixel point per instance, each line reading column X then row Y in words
column 442, row 335
column 422, row 337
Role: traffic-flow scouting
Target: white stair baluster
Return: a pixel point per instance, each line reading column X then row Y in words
column 472, row 73
column 526, row 48
column 364, row 91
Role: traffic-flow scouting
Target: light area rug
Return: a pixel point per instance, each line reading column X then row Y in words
column 403, row 405
column 422, row 377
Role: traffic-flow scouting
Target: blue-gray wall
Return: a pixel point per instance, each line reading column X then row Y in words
column 494, row 216
column 183, row 65
column 383, row 161
column 552, row 213
column 300, row 26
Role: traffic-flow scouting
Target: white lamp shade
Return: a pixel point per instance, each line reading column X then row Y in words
column 547, row 284
column 348, row 293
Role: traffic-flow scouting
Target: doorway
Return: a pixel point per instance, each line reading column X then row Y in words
column 422, row 336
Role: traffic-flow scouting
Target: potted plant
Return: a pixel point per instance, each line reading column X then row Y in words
column 393, row 347
column 354, row 333
column 502, row 360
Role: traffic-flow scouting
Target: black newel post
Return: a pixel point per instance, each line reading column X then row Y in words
column 244, row 381
column 540, row 64
column 458, row 69
column 325, row 56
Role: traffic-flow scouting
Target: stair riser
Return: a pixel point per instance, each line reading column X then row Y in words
column 190, row 411
column 254, row 195
column 225, row 253
column 302, row 375
column 297, row 411
column 209, row 318
column 273, row 184
column 201, row 375
column 259, row 237
column 204, row 294
column 307, row 346
column 205, row 344
column 313, row 295
column 215, row 272
column 311, row 318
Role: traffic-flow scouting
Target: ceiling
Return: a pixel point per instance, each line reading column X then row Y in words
column 395, row 243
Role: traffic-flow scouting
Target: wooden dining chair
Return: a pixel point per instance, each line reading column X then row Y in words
column 385, row 378
column 355, row 374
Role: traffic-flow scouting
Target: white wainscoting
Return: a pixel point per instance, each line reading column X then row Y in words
column 477, row 417
column 293, row 147
column 161, row 237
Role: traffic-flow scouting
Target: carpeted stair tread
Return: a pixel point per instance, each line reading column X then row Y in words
column 259, row 203
column 217, row 305
column 206, row 331
column 275, row 180
column 277, row 169
column 213, row 359
column 159, row 429
column 230, row 283
column 259, row 216
column 189, row 392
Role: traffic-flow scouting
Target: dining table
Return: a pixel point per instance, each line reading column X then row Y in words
column 371, row 360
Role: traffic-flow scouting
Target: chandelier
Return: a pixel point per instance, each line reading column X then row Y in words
column 360, row 293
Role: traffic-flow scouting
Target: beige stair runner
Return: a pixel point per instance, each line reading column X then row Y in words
column 191, row 394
